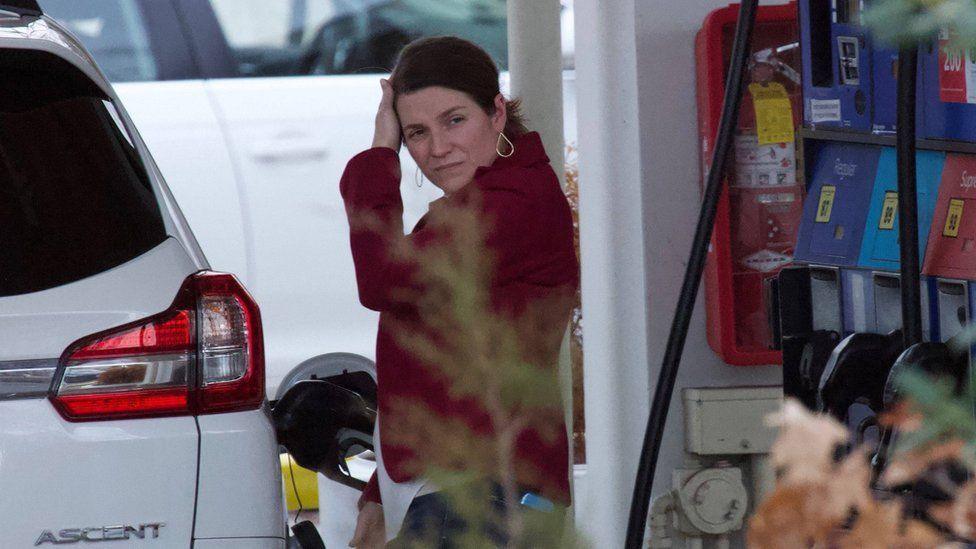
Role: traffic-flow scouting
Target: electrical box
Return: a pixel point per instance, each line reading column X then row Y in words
column 730, row 420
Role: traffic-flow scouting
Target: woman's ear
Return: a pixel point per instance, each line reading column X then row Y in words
column 500, row 117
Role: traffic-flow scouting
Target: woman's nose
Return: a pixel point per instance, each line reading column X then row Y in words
column 439, row 145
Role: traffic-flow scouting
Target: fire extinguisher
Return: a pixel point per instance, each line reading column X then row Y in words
column 759, row 215
column 766, row 191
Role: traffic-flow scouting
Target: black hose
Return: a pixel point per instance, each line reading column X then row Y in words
column 911, row 301
column 689, row 290
column 911, row 297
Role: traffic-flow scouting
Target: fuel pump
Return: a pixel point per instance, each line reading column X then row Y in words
column 832, row 358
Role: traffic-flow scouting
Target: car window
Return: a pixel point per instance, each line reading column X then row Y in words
column 113, row 31
column 75, row 199
column 299, row 37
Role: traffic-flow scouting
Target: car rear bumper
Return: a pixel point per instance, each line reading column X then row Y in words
column 240, row 494
column 239, row 543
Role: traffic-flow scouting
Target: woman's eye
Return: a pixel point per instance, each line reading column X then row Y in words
column 415, row 134
column 457, row 120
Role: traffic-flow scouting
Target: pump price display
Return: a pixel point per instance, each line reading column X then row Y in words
column 957, row 71
column 826, row 204
column 953, row 218
column 889, row 209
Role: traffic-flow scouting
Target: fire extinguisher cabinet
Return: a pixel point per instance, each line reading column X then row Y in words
column 762, row 203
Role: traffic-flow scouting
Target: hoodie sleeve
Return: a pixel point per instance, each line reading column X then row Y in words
column 370, row 188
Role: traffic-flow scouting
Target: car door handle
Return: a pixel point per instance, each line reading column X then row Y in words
column 288, row 150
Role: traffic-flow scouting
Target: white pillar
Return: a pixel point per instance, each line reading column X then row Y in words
column 612, row 244
column 536, row 77
column 535, row 69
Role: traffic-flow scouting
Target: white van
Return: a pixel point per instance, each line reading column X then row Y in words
column 252, row 109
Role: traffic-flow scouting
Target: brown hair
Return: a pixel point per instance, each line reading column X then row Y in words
column 456, row 64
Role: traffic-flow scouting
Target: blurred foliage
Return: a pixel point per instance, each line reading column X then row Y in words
column 821, row 500
column 827, row 495
column 911, row 22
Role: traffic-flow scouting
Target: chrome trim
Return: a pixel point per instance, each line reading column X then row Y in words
column 26, row 378
column 125, row 374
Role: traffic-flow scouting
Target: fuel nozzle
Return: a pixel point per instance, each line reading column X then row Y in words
column 940, row 360
column 321, row 424
column 857, row 373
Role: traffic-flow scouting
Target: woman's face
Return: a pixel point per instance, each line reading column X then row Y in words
column 448, row 134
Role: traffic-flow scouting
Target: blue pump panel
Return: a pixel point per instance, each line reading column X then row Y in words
column 836, row 208
column 884, row 70
column 954, row 119
column 837, row 59
column 879, row 250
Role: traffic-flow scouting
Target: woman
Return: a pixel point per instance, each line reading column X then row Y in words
column 443, row 101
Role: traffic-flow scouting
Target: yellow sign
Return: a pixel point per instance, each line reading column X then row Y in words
column 826, row 205
column 889, row 210
column 954, row 218
column 774, row 113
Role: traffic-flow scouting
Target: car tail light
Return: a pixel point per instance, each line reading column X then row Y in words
column 203, row 355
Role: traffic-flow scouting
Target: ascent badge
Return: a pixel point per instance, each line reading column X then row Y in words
column 100, row 533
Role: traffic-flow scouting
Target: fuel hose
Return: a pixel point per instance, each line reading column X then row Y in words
column 658, row 416
column 911, row 298
column 911, row 307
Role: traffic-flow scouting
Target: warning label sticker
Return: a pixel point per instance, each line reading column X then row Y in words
column 774, row 114
column 889, row 210
column 824, row 110
column 758, row 166
column 826, row 205
column 953, row 218
column 765, row 261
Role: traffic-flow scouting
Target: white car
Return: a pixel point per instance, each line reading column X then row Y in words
column 252, row 109
column 132, row 392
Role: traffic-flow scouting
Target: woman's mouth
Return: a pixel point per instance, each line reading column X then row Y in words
column 447, row 167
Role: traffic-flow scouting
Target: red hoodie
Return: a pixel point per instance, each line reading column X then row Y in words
column 530, row 236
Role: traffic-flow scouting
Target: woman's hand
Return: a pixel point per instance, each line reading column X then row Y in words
column 370, row 528
column 387, row 132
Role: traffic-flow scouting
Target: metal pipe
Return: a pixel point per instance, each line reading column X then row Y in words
column 658, row 416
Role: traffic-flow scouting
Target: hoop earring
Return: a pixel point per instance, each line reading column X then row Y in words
column 498, row 146
column 418, row 177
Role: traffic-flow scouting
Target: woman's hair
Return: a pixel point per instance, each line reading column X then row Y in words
column 456, row 64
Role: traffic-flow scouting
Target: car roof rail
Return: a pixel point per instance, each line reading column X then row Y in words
column 21, row 7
